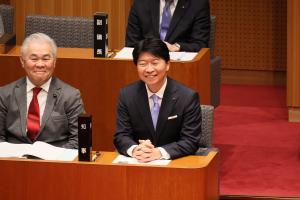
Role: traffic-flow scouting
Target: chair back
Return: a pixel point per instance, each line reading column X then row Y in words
column 215, row 62
column 76, row 32
column 1, row 27
column 211, row 43
column 7, row 14
column 205, row 143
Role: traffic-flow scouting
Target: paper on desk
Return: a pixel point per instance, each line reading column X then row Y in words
column 38, row 149
column 182, row 56
column 126, row 53
column 120, row 159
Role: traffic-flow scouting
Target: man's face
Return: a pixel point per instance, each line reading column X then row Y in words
column 152, row 70
column 38, row 62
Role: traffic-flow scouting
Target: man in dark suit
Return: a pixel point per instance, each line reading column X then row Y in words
column 187, row 30
column 39, row 107
column 157, row 117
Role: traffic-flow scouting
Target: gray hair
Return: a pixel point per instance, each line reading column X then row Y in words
column 40, row 37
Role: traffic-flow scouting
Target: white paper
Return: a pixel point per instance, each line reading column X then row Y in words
column 39, row 149
column 126, row 53
column 12, row 150
column 120, row 159
column 182, row 56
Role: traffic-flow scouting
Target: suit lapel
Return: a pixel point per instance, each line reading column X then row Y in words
column 143, row 106
column 177, row 16
column 155, row 17
column 53, row 95
column 169, row 100
column 21, row 98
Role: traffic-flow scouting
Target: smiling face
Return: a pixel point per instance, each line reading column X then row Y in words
column 38, row 62
column 152, row 70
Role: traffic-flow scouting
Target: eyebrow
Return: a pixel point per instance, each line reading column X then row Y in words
column 35, row 55
column 155, row 59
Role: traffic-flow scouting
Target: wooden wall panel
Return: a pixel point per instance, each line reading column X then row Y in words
column 251, row 34
column 117, row 14
column 293, row 62
column 4, row 2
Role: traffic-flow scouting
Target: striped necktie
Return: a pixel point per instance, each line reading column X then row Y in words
column 33, row 117
column 165, row 19
column 155, row 109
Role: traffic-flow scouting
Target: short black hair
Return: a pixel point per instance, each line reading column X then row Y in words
column 154, row 46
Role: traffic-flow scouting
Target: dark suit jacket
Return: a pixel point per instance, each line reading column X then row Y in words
column 179, row 136
column 190, row 24
column 59, row 121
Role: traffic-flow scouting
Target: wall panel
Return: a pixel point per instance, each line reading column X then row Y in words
column 117, row 14
column 4, row 2
column 293, row 54
column 251, row 34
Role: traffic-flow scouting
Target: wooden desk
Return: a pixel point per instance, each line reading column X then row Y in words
column 100, row 80
column 192, row 178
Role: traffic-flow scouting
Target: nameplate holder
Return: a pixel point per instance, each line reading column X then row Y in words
column 100, row 34
column 85, row 137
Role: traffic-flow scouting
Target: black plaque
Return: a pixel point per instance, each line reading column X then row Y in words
column 85, row 137
column 100, row 34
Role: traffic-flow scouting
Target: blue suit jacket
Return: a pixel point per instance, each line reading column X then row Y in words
column 179, row 122
column 190, row 24
column 59, row 121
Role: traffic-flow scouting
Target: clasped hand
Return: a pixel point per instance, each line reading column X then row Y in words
column 146, row 152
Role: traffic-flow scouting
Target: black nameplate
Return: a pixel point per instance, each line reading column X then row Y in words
column 100, row 34
column 85, row 137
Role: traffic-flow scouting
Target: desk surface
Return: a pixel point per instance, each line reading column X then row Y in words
column 191, row 177
column 192, row 162
column 84, row 53
column 95, row 77
column 107, row 157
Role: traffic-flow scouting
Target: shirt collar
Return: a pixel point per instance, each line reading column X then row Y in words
column 174, row 1
column 160, row 92
column 45, row 86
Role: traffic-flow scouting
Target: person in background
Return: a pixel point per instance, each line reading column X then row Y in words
column 157, row 117
column 184, row 25
column 39, row 106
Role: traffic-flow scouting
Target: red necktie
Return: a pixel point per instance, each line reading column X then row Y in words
column 33, row 117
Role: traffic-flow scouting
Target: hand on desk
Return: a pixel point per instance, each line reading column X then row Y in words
column 146, row 152
column 172, row 47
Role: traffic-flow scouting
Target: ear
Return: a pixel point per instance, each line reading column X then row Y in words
column 168, row 65
column 22, row 61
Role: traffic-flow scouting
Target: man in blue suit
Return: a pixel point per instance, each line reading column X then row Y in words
column 165, row 127
column 39, row 106
column 186, row 22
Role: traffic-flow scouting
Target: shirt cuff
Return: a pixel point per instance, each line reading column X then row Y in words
column 130, row 150
column 164, row 154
